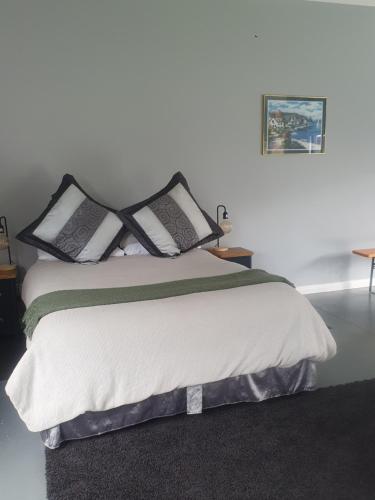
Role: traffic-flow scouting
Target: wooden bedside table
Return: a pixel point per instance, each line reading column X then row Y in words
column 9, row 312
column 369, row 253
column 234, row 254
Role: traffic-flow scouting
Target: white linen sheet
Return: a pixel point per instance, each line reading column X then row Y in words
column 98, row 358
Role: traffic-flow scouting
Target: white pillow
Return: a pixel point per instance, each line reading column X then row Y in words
column 131, row 246
column 128, row 246
column 117, row 252
column 45, row 256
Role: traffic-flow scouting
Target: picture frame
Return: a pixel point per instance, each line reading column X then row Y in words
column 293, row 124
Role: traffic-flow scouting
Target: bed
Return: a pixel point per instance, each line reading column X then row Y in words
column 95, row 369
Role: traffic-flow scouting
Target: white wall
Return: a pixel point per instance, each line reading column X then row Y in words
column 350, row 2
column 123, row 93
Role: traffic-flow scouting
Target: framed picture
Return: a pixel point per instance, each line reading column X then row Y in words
column 293, row 124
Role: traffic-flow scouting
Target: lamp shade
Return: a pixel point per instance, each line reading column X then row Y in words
column 226, row 226
column 4, row 243
column 4, row 239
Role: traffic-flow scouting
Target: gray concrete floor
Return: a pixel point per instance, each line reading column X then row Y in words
column 21, row 456
column 350, row 314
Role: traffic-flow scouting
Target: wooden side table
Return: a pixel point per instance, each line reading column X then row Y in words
column 369, row 253
column 238, row 255
column 9, row 313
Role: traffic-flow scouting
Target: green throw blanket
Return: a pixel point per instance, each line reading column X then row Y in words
column 71, row 299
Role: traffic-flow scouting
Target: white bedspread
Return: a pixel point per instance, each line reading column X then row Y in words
column 102, row 357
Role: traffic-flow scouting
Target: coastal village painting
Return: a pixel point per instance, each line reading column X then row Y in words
column 293, row 124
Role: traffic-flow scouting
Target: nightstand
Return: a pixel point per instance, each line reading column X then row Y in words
column 9, row 312
column 234, row 254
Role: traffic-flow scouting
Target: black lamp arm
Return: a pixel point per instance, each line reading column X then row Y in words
column 225, row 216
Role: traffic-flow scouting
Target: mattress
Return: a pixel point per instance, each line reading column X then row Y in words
column 99, row 358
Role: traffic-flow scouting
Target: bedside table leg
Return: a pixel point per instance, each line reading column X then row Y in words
column 371, row 274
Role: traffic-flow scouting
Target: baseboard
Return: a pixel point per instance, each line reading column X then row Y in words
column 333, row 287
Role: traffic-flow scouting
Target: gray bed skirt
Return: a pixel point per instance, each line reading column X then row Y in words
column 256, row 387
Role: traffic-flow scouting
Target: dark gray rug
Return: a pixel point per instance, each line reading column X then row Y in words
column 317, row 445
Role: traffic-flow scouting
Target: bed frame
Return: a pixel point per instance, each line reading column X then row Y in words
column 269, row 383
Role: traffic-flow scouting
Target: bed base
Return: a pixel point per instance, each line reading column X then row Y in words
column 269, row 383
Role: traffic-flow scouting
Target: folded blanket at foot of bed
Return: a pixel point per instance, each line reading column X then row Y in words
column 72, row 299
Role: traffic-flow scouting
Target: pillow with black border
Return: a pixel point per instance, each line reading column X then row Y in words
column 79, row 217
column 170, row 222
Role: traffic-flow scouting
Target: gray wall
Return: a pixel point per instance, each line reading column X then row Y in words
column 124, row 93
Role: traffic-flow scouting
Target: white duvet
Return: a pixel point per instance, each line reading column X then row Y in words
column 101, row 357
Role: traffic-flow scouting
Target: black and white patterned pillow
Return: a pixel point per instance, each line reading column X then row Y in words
column 170, row 221
column 74, row 227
